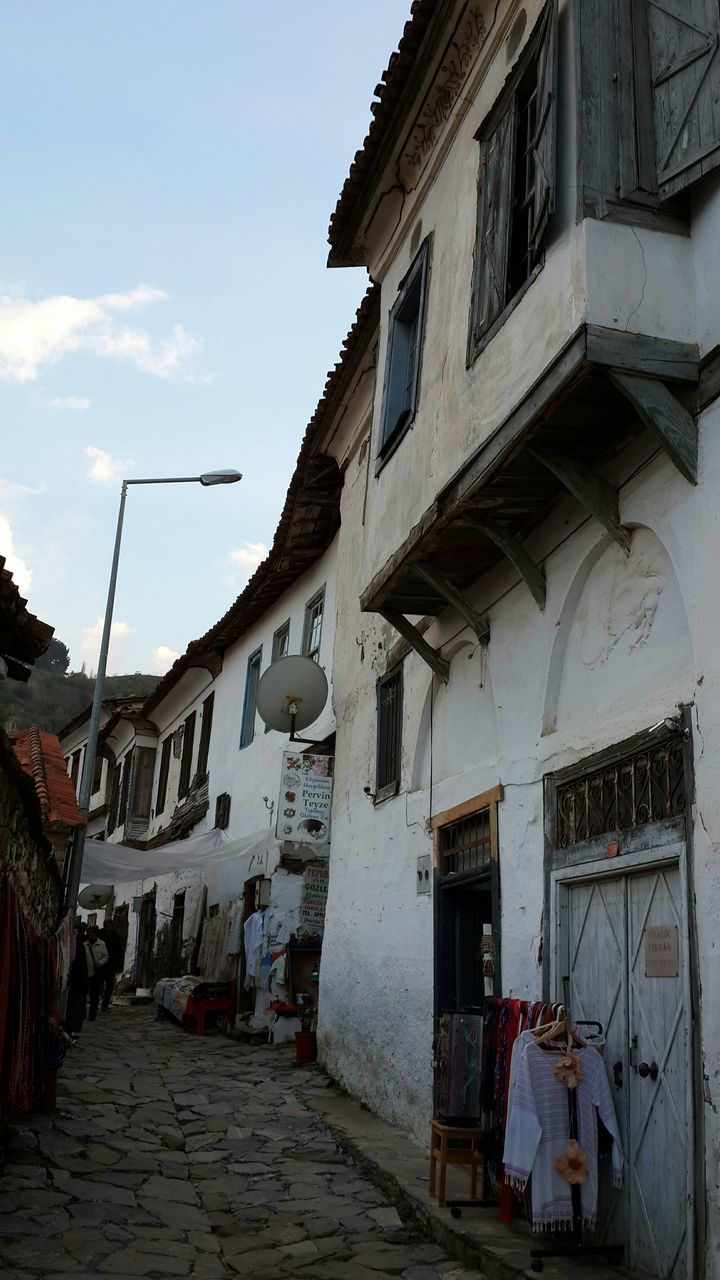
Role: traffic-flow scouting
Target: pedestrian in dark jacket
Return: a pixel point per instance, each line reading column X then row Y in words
column 116, row 960
column 78, row 985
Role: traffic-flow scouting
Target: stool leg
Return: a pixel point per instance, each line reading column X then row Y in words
column 443, row 1171
column 433, row 1166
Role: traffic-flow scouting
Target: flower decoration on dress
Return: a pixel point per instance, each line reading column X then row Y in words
column 573, row 1166
column 569, row 1070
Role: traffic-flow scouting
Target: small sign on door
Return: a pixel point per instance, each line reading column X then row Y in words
column 661, row 951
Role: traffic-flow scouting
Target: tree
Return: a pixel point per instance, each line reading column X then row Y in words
column 56, row 659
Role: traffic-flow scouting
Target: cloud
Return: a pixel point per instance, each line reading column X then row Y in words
column 91, row 637
column 22, row 574
column 78, row 403
column 249, row 556
column 163, row 658
column 104, row 468
column 36, row 334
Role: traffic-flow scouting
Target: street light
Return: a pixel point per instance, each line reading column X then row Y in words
column 74, row 871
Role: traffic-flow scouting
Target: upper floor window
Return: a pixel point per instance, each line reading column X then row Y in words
column 187, row 754
column 281, row 642
column 312, row 632
column 402, row 363
column 205, row 732
column 75, row 759
column 114, row 799
column 163, row 775
column 389, row 735
column 124, row 789
column 517, row 183
column 97, row 774
column 252, row 679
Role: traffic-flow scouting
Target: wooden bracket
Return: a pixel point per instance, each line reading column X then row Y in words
column 589, row 488
column 512, row 547
column 433, row 657
column 453, row 597
column 669, row 421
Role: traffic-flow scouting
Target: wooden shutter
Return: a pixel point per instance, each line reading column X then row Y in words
column 546, row 128
column 206, row 730
column 143, row 770
column 677, row 67
column 114, row 799
column 222, row 811
column 494, row 218
column 163, row 775
column 187, row 753
column 125, row 788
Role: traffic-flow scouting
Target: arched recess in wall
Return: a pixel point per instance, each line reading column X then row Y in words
column 623, row 636
column 464, row 720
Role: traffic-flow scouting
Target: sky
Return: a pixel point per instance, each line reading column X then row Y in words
column 169, row 170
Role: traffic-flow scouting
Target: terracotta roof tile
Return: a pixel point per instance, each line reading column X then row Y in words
column 42, row 759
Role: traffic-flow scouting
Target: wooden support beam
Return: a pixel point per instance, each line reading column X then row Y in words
column 452, row 596
column 669, row 421
column 512, row 547
column 433, row 657
column 589, row 488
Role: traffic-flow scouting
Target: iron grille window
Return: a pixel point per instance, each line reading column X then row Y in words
column 466, row 845
column 252, row 678
column 205, row 732
column 187, row 753
column 163, row 775
column 281, row 642
column 312, row 634
column 389, row 735
column 402, row 366
column 646, row 787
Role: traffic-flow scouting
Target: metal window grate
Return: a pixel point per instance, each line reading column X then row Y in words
column 466, row 845
column 389, row 729
column 646, row 787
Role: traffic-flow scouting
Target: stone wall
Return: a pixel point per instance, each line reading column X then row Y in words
column 26, row 856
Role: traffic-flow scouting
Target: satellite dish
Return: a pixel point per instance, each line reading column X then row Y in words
column 94, row 896
column 291, row 694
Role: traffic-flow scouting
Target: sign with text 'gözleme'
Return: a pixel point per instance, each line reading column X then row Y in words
column 303, row 813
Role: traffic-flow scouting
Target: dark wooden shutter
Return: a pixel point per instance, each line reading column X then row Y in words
column 546, row 129
column 187, row 752
column 677, row 68
column 163, row 775
column 143, row 769
column 125, row 788
column 114, row 799
column 494, row 219
column 206, row 730
column 222, row 810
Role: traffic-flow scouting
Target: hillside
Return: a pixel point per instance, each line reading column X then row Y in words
column 53, row 695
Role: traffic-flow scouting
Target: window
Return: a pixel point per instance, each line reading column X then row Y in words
column 114, row 799
column 281, row 642
column 75, row 767
column 206, row 730
column 402, row 363
column 124, row 789
column 163, row 776
column 97, row 774
column 222, row 811
column 187, row 754
column 517, row 183
column 312, row 632
column 389, row 735
column 247, row 732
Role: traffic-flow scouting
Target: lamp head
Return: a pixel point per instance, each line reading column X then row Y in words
column 227, row 476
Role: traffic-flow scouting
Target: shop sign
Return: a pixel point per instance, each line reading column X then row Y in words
column 661, row 951
column 314, row 899
column 305, row 798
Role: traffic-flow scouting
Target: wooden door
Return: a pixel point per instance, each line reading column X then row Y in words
column 605, row 928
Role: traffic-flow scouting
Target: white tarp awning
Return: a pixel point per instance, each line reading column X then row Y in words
column 107, row 863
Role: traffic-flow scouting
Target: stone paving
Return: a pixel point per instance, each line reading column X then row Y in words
column 172, row 1155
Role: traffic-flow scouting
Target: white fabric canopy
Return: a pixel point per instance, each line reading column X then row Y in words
column 107, row 863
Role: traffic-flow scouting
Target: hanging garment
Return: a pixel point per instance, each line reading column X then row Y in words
column 235, row 933
column 539, row 1129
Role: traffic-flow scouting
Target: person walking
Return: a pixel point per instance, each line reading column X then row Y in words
column 78, row 984
column 116, row 960
column 97, row 954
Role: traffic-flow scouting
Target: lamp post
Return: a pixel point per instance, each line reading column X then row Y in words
column 72, row 882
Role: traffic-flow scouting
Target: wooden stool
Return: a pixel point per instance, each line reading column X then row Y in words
column 454, row 1144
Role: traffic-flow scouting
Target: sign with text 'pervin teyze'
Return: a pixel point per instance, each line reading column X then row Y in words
column 303, row 814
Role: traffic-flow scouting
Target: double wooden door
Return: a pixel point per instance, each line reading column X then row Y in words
column 623, row 943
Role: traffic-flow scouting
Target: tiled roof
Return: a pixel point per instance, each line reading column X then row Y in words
column 42, row 759
column 128, row 701
column 389, row 97
column 309, row 520
column 23, row 638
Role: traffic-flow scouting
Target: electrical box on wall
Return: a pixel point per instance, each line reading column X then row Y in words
column 424, row 873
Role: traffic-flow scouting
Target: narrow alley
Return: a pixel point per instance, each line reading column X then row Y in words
column 171, row 1155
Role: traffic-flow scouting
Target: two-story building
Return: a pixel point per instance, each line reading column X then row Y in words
column 526, row 674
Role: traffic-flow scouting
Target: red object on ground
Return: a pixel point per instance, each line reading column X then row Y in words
column 196, row 1010
column 305, row 1047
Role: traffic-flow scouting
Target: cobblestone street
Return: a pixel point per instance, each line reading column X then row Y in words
column 176, row 1156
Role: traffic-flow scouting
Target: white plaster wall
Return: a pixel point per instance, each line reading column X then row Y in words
column 621, row 643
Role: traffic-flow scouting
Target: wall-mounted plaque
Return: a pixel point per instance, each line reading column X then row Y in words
column 661, row 951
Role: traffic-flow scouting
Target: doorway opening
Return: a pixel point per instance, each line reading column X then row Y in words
column 177, row 926
column 146, row 941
